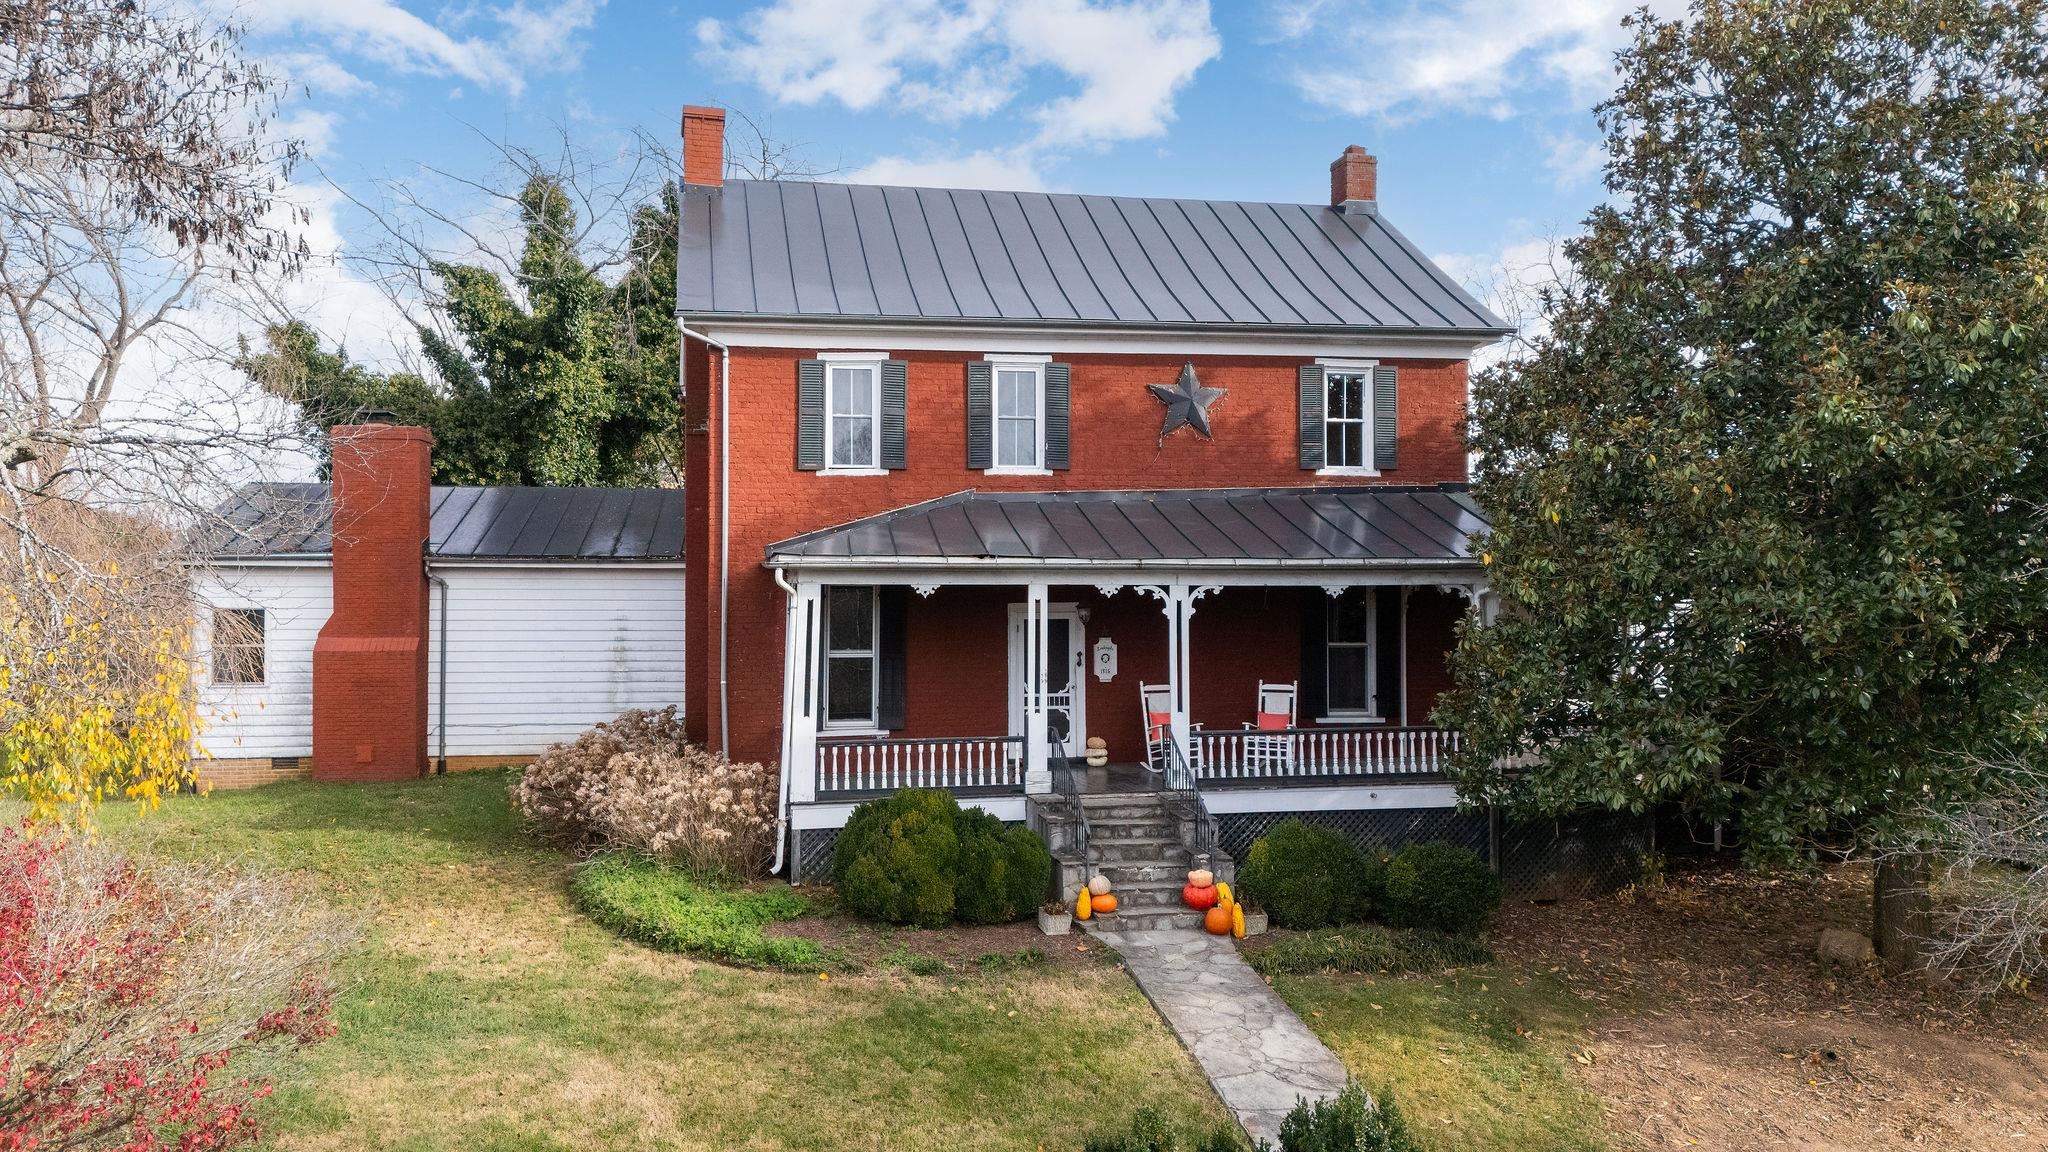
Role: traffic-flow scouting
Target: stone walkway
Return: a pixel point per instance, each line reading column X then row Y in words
column 1250, row 1044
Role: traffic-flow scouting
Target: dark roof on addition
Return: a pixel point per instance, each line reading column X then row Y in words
column 1388, row 525
column 789, row 249
column 263, row 521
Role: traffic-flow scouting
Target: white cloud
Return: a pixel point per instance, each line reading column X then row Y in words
column 1574, row 159
column 1011, row 169
column 1398, row 60
column 951, row 59
column 516, row 39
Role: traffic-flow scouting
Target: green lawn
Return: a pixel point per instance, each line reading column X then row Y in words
column 483, row 1012
column 1478, row 1059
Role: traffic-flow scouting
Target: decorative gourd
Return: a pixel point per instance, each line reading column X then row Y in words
column 1223, row 896
column 1084, row 905
column 1201, row 878
column 1099, row 885
column 1237, row 921
column 1105, row 902
column 1217, row 921
column 1200, row 897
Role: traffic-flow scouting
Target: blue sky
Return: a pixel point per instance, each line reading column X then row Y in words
column 1479, row 111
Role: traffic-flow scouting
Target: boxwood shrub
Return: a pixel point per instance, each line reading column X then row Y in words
column 917, row 857
column 1307, row 876
column 1440, row 887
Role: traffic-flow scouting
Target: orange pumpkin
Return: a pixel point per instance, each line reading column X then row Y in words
column 1105, row 902
column 1199, row 897
column 1217, row 921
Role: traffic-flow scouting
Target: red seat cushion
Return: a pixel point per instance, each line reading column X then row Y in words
column 1156, row 724
column 1273, row 722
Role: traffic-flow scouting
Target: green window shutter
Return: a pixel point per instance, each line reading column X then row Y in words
column 1313, row 689
column 893, row 610
column 981, row 406
column 895, row 412
column 1058, row 420
column 1311, row 414
column 1385, row 431
column 810, row 415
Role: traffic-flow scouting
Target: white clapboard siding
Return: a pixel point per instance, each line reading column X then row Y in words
column 274, row 718
column 537, row 654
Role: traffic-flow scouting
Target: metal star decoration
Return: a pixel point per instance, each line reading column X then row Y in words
column 1187, row 403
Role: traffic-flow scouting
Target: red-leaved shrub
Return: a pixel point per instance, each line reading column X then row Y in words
column 142, row 1004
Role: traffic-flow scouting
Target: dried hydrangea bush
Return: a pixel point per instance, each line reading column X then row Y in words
column 636, row 783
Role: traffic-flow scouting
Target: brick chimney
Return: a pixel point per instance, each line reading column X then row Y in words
column 370, row 661
column 1355, row 180
column 703, row 146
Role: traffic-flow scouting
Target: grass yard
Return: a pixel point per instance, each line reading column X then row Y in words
column 483, row 1012
column 1480, row 1059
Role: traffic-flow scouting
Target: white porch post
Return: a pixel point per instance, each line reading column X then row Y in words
column 800, row 702
column 1037, row 748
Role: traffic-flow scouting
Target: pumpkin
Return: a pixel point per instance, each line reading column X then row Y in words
column 1201, row 878
column 1099, row 885
column 1217, row 921
column 1105, row 902
column 1237, row 921
column 1084, row 906
column 1223, row 896
column 1200, row 897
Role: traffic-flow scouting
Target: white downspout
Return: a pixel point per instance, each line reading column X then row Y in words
column 441, row 677
column 788, row 754
column 724, row 522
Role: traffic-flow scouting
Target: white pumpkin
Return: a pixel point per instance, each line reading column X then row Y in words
column 1099, row 885
column 1097, row 742
column 1201, row 878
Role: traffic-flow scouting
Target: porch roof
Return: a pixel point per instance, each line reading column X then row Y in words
column 1374, row 526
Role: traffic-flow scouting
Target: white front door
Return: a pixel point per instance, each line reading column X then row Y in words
column 1066, row 659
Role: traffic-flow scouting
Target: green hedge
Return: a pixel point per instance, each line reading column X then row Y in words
column 1307, row 876
column 1440, row 887
column 917, row 857
column 1367, row 948
column 667, row 908
column 1353, row 1122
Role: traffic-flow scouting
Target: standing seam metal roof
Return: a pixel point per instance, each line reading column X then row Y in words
column 277, row 520
column 1384, row 524
column 782, row 248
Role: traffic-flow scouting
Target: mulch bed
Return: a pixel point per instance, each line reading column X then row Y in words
column 960, row 948
column 1717, row 1025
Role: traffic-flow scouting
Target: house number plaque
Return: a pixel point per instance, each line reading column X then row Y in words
column 1105, row 659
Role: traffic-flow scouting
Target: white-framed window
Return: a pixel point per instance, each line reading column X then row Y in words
column 853, row 406
column 1019, row 400
column 852, row 625
column 1348, row 641
column 1347, row 417
column 237, row 645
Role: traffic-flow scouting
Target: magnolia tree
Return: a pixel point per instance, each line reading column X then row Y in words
column 1768, row 492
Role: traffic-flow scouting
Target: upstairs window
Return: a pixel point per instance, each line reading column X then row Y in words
column 1346, row 417
column 238, row 645
column 852, row 436
column 1020, row 417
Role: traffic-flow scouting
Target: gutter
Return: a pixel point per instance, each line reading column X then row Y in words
column 724, row 521
column 782, row 801
column 441, row 679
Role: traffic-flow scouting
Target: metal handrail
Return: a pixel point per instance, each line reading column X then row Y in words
column 1067, row 782
column 1180, row 772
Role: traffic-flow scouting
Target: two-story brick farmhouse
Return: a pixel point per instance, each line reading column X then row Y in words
column 974, row 477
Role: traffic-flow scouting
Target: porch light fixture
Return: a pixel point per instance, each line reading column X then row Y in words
column 1187, row 403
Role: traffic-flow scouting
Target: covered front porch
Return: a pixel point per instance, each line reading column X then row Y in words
column 1207, row 640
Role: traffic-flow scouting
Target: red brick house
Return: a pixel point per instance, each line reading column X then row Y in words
column 967, row 470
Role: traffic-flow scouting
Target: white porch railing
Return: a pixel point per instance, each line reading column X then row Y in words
column 945, row 762
column 1294, row 753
